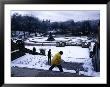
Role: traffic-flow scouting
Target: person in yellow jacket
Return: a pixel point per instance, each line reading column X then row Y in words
column 56, row 61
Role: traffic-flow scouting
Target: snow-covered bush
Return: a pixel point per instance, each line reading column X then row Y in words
column 60, row 44
column 42, row 51
column 88, row 68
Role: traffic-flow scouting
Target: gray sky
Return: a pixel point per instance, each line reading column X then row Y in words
column 62, row 15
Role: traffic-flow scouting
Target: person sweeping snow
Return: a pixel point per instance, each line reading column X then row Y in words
column 56, row 61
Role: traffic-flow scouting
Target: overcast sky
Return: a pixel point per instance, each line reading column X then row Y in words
column 62, row 15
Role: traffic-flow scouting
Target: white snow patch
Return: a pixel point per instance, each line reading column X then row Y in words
column 88, row 69
column 70, row 53
column 35, row 61
column 94, row 74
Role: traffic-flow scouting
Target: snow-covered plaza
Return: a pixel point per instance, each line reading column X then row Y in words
column 71, row 54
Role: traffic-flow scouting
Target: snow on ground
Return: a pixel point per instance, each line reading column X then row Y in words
column 35, row 61
column 70, row 54
column 44, row 39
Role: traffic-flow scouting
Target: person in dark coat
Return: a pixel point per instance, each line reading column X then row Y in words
column 49, row 57
column 34, row 51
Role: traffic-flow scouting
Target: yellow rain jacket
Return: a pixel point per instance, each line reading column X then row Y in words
column 56, row 59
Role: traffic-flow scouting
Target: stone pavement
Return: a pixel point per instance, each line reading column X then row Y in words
column 27, row 72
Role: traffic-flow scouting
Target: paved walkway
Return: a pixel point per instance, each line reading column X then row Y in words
column 27, row 72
